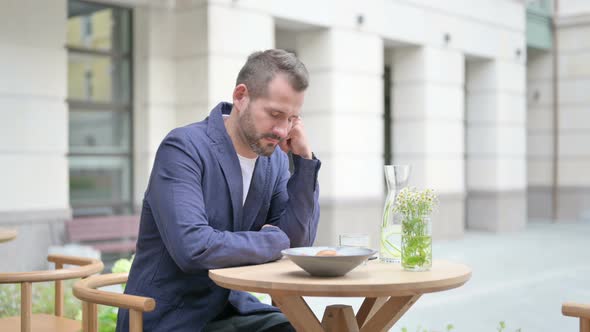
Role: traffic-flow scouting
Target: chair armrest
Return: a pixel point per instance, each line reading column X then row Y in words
column 86, row 267
column 86, row 290
column 70, row 260
column 576, row 310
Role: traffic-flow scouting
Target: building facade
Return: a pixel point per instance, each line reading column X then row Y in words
column 489, row 104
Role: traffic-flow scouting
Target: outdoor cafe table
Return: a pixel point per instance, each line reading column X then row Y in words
column 7, row 234
column 389, row 291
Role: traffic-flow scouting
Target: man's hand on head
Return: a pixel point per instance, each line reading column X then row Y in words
column 296, row 141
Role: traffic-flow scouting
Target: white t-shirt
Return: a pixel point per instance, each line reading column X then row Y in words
column 247, row 165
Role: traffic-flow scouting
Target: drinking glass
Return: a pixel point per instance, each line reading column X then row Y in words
column 354, row 240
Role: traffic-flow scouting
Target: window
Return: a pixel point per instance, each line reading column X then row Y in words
column 86, row 22
column 100, row 104
column 88, row 83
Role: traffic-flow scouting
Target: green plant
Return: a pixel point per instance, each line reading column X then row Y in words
column 107, row 319
column 415, row 207
column 390, row 232
column 450, row 327
column 502, row 326
column 43, row 300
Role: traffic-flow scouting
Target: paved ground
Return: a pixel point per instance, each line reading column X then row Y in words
column 519, row 278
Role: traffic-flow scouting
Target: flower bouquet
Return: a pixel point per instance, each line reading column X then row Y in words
column 415, row 208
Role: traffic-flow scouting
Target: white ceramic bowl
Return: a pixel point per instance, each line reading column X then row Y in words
column 346, row 259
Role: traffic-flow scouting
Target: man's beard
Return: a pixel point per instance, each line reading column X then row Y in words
column 253, row 139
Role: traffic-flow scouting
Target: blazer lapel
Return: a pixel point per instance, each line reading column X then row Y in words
column 228, row 159
column 255, row 197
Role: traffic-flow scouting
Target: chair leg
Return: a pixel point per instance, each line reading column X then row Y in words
column 89, row 317
column 584, row 325
column 26, row 296
column 92, row 317
column 59, row 293
column 135, row 321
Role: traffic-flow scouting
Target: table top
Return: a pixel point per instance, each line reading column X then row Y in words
column 7, row 234
column 375, row 279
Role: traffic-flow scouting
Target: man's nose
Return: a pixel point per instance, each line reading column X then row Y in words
column 281, row 130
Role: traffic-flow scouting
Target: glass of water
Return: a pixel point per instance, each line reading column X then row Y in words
column 354, row 240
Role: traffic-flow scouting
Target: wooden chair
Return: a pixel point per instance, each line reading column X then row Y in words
column 44, row 322
column 581, row 311
column 87, row 291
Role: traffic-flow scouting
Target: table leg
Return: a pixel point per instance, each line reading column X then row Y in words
column 338, row 318
column 389, row 313
column 369, row 308
column 298, row 313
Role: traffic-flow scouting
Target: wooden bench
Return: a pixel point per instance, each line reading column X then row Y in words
column 108, row 234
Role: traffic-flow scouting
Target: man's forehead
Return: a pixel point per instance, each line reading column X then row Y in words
column 289, row 111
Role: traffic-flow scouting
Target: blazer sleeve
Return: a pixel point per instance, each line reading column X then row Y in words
column 295, row 202
column 175, row 197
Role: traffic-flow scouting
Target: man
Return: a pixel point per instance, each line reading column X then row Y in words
column 220, row 195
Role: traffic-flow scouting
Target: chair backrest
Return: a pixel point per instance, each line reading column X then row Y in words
column 84, row 267
column 87, row 291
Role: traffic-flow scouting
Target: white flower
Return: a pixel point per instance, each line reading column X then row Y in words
column 411, row 201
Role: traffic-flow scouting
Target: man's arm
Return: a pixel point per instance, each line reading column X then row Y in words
column 294, row 206
column 176, row 199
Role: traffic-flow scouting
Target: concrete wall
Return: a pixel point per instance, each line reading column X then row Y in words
column 428, row 104
column 344, row 51
column 34, row 193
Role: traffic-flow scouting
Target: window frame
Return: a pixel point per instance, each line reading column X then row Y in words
column 81, row 105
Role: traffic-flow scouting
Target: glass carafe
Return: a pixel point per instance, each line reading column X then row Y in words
column 396, row 177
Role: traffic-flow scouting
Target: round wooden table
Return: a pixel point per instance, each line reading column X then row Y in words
column 388, row 290
column 7, row 234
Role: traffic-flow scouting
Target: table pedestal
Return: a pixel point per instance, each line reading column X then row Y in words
column 375, row 314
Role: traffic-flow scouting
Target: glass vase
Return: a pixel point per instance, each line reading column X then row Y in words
column 416, row 242
column 396, row 177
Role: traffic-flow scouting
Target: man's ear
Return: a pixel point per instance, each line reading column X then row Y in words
column 241, row 97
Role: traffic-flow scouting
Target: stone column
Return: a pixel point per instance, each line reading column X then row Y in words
column 343, row 115
column 496, row 145
column 573, row 98
column 34, row 194
column 428, row 127
column 188, row 58
column 154, row 82
column 540, row 137
column 213, row 41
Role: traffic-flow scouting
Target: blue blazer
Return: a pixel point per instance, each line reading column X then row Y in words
column 192, row 220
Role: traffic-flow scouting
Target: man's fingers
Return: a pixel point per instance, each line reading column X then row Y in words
column 284, row 145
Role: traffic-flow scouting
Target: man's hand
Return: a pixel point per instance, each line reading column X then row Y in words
column 269, row 225
column 296, row 141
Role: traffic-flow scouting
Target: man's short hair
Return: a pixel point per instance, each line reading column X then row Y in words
column 261, row 67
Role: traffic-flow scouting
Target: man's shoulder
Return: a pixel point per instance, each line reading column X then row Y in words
column 196, row 131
